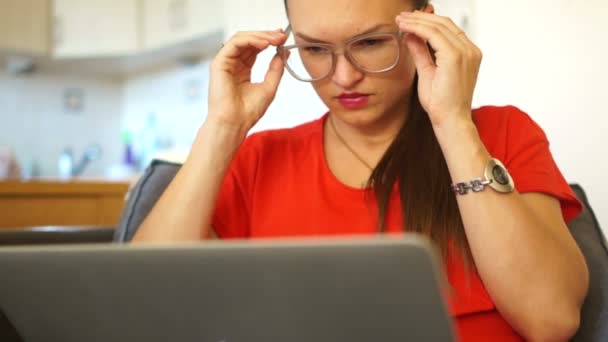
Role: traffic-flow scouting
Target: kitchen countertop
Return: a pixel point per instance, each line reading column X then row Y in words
column 51, row 186
column 59, row 202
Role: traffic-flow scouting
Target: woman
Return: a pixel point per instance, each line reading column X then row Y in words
column 398, row 81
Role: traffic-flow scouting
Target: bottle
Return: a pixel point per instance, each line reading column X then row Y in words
column 149, row 141
column 128, row 156
column 127, row 168
column 66, row 163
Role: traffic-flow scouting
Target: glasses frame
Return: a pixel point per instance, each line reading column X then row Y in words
column 344, row 49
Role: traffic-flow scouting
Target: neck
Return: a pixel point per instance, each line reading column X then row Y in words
column 375, row 136
column 353, row 150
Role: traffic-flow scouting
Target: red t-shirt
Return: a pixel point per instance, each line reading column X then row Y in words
column 279, row 185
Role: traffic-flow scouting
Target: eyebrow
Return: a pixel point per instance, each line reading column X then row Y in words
column 316, row 40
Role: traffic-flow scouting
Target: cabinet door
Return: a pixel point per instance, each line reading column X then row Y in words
column 167, row 22
column 95, row 28
column 24, row 26
column 253, row 15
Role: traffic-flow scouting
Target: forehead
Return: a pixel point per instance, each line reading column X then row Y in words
column 340, row 19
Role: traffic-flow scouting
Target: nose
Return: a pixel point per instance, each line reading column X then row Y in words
column 346, row 75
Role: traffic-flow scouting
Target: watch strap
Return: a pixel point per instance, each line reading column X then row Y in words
column 476, row 185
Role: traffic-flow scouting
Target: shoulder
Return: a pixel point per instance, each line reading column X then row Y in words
column 284, row 138
column 505, row 117
column 270, row 147
column 505, row 130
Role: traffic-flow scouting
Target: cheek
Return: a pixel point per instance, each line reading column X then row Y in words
column 324, row 91
column 406, row 67
column 400, row 80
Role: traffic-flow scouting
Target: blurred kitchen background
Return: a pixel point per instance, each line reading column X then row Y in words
column 96, row 88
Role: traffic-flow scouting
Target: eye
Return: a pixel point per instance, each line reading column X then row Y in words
column 371, row 42
column 315, row 49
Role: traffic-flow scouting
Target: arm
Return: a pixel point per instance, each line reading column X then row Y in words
column 524, row 253
column 185, row 210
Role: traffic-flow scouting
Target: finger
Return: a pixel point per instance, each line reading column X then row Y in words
column 435, row 26
column 420, row 54
column 239, row 47
column 268, row 33
column 249, row 56
column 274, row 37
column 240, row 44
column 274, row 75
column 438, row 40
column 446, row 22
column 252, row 55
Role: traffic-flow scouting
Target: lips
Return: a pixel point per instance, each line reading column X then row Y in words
column 353, row 100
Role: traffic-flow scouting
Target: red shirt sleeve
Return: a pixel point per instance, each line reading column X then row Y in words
column 531, row 164
column 231, row 218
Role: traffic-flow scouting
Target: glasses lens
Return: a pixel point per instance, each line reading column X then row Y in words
column 375, row 53
column 308, row 62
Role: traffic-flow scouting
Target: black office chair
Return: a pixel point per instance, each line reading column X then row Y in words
column 143, row 196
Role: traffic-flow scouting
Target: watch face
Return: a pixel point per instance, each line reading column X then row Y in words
column 500, row 175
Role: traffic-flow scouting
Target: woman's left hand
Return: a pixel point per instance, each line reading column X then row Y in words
column 446, row 86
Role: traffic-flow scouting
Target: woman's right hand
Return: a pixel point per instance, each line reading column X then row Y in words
column 234, row 100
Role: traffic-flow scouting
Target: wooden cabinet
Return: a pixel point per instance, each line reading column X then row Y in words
column 168, row 22
column 24, row 26
column 74, row 203
column 95, row 28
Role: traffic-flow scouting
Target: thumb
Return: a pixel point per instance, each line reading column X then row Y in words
column 420, row 54
column 274, row 75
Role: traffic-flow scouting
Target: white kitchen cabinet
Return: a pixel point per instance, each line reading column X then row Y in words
column 24, row 26
column 250, row 15
column 169, row 22
column 95, row 28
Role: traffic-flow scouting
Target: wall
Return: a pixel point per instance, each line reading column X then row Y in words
column 35, row 124
column 176, row 96
column 548, row 57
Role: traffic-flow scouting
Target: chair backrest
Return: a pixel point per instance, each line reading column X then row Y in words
column 143, row 196
column 587, row 233
column 585, row 229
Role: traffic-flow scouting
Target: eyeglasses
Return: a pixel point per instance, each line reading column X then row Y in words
column 372, row 53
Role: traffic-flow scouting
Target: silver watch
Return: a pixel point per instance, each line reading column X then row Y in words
column 496, row 176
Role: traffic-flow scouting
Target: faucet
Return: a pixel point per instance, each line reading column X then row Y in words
column 67, row 167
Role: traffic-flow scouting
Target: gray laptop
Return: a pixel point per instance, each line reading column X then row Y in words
column 332, row 290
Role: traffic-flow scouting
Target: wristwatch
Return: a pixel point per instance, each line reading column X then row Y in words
column 496, row 176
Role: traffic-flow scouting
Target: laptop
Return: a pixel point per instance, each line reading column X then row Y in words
column 358, row 289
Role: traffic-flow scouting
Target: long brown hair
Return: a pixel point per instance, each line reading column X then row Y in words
column 415, row 162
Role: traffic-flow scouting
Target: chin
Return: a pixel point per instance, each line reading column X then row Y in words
column 359, row 118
